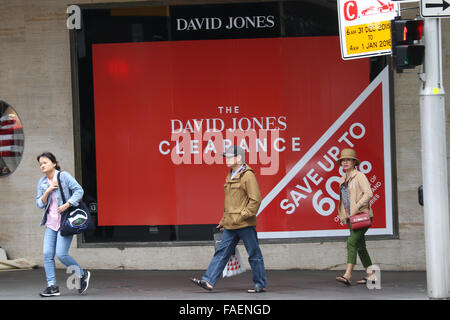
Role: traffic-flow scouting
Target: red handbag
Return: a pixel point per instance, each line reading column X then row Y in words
column 360, row 220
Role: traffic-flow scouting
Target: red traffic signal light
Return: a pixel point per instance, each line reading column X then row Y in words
column 407, row 30
column 406, row 52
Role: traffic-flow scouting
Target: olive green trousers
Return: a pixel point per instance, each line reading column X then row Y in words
column 356, row 245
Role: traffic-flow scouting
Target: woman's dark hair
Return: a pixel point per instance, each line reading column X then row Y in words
column 50, row 156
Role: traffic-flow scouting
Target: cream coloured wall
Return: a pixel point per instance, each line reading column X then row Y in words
column 35, row 79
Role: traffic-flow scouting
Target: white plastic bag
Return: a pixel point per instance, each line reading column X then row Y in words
column 234, row 265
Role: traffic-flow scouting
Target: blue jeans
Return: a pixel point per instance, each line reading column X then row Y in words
column 54, row 243
column 230, row 239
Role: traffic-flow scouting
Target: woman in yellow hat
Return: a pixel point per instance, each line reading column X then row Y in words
column 355, row 194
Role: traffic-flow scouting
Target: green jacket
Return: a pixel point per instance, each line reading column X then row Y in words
column 242, row 200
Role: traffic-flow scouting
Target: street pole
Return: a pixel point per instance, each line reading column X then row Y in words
column 434, row 165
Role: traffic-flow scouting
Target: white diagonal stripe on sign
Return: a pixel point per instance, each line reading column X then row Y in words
column 323, row 139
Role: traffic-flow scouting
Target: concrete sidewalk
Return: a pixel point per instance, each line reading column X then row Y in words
column 175, row 285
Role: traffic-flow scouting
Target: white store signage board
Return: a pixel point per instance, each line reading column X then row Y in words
column 364, row 27
column 435, row 8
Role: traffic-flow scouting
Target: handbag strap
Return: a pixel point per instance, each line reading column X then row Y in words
column 60, row 188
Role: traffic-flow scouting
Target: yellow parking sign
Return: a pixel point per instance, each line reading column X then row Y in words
column 365, row 27
column 365, row 38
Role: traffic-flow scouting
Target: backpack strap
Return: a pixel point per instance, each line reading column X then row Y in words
column 60, row 187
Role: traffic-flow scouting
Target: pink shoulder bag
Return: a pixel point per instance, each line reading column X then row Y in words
column 360, row 220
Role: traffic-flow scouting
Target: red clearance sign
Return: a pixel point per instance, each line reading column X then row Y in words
column 165, row 111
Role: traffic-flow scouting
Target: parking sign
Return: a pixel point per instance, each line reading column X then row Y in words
column 364, row 27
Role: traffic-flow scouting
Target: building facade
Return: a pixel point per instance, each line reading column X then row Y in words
column 36, row 79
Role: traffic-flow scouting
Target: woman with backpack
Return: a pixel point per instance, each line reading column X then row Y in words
column 49, row 198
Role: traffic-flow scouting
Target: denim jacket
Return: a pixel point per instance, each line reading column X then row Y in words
column 73, row 193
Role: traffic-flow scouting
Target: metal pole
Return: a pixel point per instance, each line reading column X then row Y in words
column 434, row 165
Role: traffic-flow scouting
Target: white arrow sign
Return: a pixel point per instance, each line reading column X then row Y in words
column 434, row 8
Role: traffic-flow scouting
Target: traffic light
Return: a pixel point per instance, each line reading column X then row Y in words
column 407, row 52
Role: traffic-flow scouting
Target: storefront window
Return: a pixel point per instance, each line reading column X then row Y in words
column 11, row 139
column 273, row 70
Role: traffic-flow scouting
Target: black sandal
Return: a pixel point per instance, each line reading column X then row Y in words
column 257, row 290
column 364, row 280
column 201, row 284
column 343, row 280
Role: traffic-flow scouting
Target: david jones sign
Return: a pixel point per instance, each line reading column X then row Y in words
column 215, row 23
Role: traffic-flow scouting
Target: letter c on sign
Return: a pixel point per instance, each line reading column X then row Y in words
column 350, row 10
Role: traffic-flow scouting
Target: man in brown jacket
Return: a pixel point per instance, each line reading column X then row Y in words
column 242, row 201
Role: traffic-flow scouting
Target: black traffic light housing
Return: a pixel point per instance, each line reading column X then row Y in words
column 407, row 52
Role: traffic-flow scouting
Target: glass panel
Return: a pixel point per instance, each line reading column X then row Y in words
column 105, row 29
column 11, row 139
